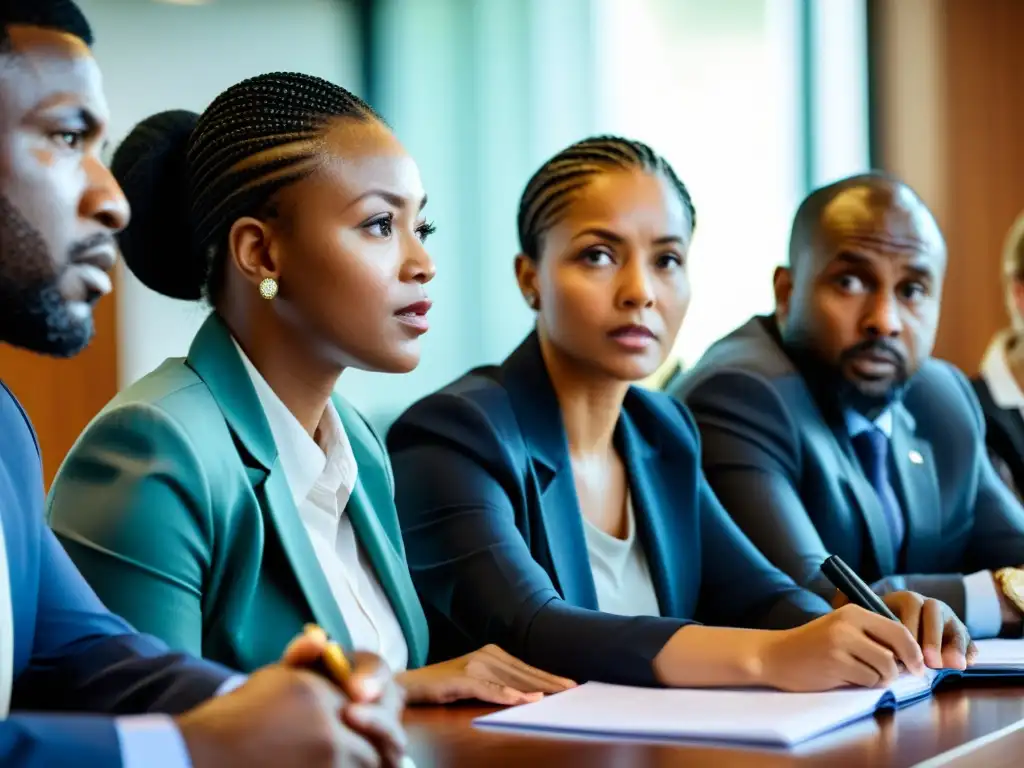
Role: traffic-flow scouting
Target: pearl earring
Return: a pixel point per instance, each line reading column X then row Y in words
column 268, row 288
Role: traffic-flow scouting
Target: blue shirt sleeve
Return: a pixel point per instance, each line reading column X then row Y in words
column 154, row 741
column 231, row 684
column 151, row 741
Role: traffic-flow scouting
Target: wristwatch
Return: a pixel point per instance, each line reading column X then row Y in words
column 1011, row 581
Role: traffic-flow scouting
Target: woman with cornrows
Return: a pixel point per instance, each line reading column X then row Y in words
column 551, row 507
column 228, row 498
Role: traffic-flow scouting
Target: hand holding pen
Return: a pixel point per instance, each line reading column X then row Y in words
column 943, row 638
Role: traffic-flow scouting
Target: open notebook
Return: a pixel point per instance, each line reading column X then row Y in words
column 745, row 716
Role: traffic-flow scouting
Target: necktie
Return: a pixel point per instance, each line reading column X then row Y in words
column 6, row 630
column 872, row 447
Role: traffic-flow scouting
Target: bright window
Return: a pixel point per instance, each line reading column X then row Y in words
column 721, row 90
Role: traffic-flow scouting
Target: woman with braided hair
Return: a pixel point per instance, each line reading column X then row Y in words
column 228, row 498
column 551, row 507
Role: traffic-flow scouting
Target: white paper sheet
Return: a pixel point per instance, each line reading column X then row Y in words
column 747, row 716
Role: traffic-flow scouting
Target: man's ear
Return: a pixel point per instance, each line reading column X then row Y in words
column 782, row 283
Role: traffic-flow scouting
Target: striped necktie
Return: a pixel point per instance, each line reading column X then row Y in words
column 6, row 630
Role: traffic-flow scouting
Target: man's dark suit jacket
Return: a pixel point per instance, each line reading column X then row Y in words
column 778, row 454
column 71, row 655
column 495, row 541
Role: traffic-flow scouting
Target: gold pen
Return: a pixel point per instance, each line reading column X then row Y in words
column 335, row 666
column 332, row 663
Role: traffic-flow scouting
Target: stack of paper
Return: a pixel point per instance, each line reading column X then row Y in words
column 1001, row 654
column 752, row 716
column 745, row 716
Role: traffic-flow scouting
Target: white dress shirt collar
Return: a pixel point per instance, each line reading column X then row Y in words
column 995, row 370
column 857, row 422
column 328, row 466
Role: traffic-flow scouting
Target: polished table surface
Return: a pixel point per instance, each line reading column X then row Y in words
column 444, row 736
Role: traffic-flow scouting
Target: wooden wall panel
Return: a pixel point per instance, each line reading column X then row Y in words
column 985, row 85
column 61, row 396
column 950, row 76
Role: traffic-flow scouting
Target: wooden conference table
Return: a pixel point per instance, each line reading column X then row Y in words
column 443, row 737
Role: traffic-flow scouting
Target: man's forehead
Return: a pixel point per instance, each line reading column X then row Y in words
column 23, row 38
column 890, row 213
column 44, row 67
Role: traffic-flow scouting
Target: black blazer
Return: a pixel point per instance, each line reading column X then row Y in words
column 495, row 541
column 1004, row 435
column 778, row 453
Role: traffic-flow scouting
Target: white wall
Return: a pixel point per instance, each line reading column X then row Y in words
column 157, row 56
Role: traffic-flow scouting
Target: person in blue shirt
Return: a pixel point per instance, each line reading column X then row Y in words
column 552, row 507
column 78, row 686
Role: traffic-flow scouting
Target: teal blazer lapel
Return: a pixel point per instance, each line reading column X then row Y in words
column 215, row 360
column 276, row 500
column 375, row 520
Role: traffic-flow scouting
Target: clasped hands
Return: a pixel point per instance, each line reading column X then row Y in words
column 285, row 714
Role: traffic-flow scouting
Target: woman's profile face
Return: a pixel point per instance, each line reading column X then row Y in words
column 349, row 247
column 611, row 275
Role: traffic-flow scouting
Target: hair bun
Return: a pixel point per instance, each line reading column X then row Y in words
column 151, row 167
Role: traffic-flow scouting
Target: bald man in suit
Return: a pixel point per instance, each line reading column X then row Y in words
column 827, row 428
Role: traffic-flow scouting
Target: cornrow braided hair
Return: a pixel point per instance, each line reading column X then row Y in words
column 256, row 138
column 549, row 191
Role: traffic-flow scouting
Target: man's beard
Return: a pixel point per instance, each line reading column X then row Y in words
column 38, row 319
column 34, row 315
column 867, row 401
column 827, row 379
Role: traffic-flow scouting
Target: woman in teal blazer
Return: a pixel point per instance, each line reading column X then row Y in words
column 229, row 498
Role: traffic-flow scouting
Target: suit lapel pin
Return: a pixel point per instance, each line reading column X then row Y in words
column 915, row 457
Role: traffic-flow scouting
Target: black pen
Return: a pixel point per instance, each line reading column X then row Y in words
column 850, row 584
